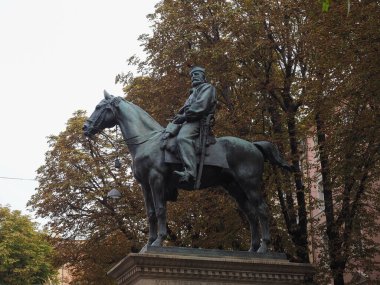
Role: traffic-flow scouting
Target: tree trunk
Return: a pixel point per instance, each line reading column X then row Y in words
column 297, row 231
column 338, row 276
column 301, row 240
column 337, row 263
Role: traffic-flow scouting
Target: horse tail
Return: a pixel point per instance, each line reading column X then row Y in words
column 272, row 154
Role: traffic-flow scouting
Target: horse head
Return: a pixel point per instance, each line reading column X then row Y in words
column 103, row 117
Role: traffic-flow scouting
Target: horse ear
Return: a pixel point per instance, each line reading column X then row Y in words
column 107, row 95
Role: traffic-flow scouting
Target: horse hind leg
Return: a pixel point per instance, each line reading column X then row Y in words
column 258, row 208
column 235, row 191
column 264, row 221
column 255, row 229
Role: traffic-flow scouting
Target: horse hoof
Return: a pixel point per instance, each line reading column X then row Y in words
column 150, row 241
column 262, row 249
column 156, row 243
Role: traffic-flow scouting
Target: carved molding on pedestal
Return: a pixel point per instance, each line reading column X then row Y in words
column 201, row 268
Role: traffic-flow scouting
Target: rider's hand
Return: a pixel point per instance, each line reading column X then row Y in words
column 179, row 119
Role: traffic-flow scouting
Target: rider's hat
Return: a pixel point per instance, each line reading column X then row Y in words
column 197, row 68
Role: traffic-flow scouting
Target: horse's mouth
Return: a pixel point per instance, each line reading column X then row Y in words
column 88, row 132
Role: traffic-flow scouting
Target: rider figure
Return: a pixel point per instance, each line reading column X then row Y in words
column 201, row 102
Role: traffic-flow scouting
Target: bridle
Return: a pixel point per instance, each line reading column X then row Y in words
column 95, row 122
column 112, row 105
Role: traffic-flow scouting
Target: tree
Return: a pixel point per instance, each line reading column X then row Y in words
column 254, row 56
column 284, row 69
column 72, row 194
column 345, row 92
column 26, row 256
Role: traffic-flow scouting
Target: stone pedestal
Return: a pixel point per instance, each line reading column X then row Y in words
column 184, row 266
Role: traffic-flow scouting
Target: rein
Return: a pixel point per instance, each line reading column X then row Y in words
column 137, row 140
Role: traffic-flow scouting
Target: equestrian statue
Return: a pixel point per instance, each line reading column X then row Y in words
column 185, row 155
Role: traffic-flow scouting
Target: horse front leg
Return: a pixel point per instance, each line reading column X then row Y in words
column 157, row 186
column 151, row 214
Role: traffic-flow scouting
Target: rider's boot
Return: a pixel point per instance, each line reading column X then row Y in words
column 185, row 176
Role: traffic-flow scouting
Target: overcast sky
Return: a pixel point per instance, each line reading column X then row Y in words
column 56, row 57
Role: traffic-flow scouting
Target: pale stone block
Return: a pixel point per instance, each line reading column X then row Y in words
column 182, row 266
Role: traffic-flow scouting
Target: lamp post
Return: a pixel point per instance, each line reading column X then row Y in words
column 114, row 194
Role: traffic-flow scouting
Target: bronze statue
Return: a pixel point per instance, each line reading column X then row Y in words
column 201, row 102
column 233, row 163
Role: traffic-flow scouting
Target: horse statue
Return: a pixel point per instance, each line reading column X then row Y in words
column 240, row 175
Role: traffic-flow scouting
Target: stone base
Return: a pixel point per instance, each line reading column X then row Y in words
column 185, row 266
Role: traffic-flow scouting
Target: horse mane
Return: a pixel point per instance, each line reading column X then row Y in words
column 142, row 112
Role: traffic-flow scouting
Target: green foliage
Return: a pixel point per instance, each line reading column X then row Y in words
column 325, row 5
column 25, row 253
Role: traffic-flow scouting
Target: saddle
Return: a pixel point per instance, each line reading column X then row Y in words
column 169, row 139
column 214, row 154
